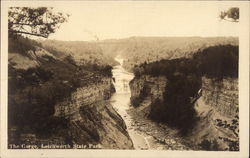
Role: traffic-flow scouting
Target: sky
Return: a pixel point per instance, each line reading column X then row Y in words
column 114, row 20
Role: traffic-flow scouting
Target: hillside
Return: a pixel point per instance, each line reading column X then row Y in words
column 196, row 95
column 82, row 52
column 139, row 50
column 47, row 94
column 180, row 83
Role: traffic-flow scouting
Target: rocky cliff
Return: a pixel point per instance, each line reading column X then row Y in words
column 55, row 103
column 197, row 95
column 147, row 86
column 89, row 94
column 216, row 107
column 221, row 95
column 92, row 120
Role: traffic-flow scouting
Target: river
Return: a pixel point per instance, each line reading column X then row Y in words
column 144, row 133
column 121, row 102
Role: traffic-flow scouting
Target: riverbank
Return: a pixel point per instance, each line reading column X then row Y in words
column 121, row 103
column 55, row 100
column 159, row 136
column 145, row 134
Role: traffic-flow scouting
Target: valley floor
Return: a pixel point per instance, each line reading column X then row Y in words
column 147, row 134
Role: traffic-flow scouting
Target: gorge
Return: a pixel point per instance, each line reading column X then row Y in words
column 198, row 96
column 97, row 96
column 70, row 108
column 144, row 133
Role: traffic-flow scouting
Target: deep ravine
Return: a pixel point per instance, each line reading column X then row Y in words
column 121, row 102
column 144, row 133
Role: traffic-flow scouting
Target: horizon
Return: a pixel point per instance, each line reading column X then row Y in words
column 103, row 40
column 119, row 20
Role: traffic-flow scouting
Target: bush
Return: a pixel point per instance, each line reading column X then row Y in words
column 22, row 45
column 209, row 145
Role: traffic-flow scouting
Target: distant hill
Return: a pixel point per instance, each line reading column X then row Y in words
column 138, row 50
column 82, row 52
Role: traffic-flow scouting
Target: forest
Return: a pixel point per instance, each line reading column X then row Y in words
column 131, row 92
column 139, row 50
column 38, row 81
column 184, row 82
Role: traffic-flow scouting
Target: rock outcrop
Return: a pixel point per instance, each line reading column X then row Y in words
column 216, row 107
column 56, row 104
column 89, row 94
column 147, row 86
column 221, row 95
column 92, row 120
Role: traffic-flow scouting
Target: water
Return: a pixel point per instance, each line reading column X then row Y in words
column 144, row 133
column 121, row 102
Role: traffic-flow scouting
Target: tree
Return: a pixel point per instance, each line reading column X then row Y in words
column 41, row 21
column 232, row 14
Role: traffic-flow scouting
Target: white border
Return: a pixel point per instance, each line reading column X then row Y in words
column 243, row 92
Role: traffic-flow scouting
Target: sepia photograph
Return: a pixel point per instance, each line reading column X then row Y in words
column 140, row 76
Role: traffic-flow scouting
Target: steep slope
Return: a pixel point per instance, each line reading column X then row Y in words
column 198, row 96
column 219, row 119
column 82, row 52
column 55, row 103
column 92, row 120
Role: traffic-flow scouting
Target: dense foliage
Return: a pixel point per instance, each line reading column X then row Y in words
column 84, row 53
column 218, row 61
column 184, row 82
column 41, row 21
column 231, row 13
column 33, row 92
column 139, row 50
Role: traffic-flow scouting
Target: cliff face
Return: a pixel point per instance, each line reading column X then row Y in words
column 147, row 87
column 89, row 94
column 59, row 104
column 92, row 120
column 216, row 108
column 221, row 95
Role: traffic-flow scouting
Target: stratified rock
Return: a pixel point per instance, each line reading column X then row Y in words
column 217, row 109
column 146, row 85
column 92, row 120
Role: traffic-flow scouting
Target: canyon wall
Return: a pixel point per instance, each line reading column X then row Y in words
column 147, row 86
column 92, row 120
column 55, row 104
column 221, row 95
column 216, row 107
column 89, row 94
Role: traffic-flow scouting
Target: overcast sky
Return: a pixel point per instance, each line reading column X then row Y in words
column 111, row 19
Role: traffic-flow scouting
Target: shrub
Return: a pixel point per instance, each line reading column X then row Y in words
column 209, row 145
